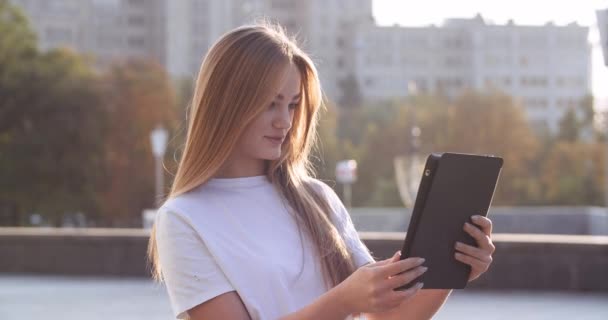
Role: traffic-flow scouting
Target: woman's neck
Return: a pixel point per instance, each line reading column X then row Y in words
column 238, row 168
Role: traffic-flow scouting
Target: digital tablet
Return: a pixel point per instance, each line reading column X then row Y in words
column 454, row 187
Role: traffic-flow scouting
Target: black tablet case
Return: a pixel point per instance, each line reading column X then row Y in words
column 453, row 187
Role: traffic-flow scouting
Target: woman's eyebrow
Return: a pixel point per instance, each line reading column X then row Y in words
column 280, row 96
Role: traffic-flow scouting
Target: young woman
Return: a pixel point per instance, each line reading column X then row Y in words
column 246, row 232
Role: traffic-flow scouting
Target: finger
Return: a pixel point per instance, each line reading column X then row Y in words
column 394, row 268
column 475, row 263
column 394, row 258
column 399, row 280
column 473, row 251
column 396, row 297
column 483, row 240
column 484, row 223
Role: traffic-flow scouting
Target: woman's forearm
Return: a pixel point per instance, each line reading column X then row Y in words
column 329, row 306
column 422, row 306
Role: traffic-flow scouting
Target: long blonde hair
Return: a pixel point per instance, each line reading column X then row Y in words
column 237, row 80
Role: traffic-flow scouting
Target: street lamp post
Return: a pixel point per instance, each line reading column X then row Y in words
column 408, row 169
column 409, row 166
column 346, row 174
column 158, row 138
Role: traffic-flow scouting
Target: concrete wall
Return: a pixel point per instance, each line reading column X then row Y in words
column 535, row 220
column 528, row 261
column 117, row 252
column 544, row 262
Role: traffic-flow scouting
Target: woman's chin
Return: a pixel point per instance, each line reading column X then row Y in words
column 271, row 155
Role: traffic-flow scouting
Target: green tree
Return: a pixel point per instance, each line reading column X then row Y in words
column 578, row 121
column 17, row 52
column 493, row 123
column 569, row 127
column 138, row 97
column 489, row 123
column 573, row 174
column 50, row 127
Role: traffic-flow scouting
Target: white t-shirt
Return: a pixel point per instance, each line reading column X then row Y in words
column 237, row 235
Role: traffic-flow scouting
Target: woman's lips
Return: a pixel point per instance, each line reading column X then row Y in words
column 275, row 141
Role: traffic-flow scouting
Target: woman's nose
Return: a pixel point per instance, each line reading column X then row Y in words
column 283, row 119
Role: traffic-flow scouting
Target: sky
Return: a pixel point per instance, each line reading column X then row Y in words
column 526, row 12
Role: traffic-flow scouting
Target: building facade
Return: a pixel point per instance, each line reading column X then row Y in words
column 106, row 30
column 547, row 68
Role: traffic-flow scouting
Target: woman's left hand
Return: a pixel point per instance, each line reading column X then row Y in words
column 480, row 257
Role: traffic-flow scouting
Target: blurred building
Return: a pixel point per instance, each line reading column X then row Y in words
column 323, row 28
column 178, row 33
column 104, row 29
column 547, row 68
column 602, row 25
column 192, row 26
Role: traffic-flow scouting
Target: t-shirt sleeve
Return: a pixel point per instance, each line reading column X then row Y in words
column 190, row 273
column 346, row 228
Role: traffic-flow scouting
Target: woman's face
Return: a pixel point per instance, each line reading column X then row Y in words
column 263, row 137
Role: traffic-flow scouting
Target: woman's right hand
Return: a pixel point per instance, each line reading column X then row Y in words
column 371, row 287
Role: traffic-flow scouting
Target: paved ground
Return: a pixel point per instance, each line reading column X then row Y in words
column 72, row 298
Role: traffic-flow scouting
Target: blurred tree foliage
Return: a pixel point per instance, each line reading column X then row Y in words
column 573, row 174
column 74, row 140
column 137, row 97
column 539, row 170
column 50, row 127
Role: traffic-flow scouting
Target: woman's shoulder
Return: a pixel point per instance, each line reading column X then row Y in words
column 317, row 184
column 323, row 188
column 333, row 200
column 186, row 204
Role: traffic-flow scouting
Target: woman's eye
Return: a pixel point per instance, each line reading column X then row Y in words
column 290, row 106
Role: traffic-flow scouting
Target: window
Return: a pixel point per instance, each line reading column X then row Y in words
column 453, row 62
column 537, row 81
column 523, row 81
column 340, row 62
column 535, row 41
column 491, row 60
column 523, row 61
column 135, row 20
column 59, row 34
column 453, row 43
column 135, row 41
column 497, row 41
column 340, row 42
column 536, row 103
column 107, row 41
column 286, row 5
